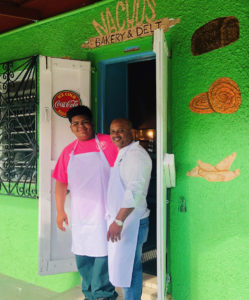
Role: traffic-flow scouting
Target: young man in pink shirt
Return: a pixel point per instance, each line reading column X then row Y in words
column 83, row 168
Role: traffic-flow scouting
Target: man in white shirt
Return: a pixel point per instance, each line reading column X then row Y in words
column 127, row 212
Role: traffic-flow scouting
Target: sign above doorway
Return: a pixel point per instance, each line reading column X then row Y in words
column 112, row 31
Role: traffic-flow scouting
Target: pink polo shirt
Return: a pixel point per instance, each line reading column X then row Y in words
column 109, row 149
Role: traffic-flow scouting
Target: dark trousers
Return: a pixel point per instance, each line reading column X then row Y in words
column 134, row 292
column 95, row 278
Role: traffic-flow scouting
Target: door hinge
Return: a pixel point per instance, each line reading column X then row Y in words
column 94, row 69
column 43, row 265
column 168, row 278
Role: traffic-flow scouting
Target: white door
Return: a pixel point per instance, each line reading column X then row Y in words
column 54, row 134
column 160, row 48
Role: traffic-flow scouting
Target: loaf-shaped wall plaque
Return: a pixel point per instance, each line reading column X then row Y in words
column 215, row 34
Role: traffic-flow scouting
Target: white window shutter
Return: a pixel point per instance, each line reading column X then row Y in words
column 54, row 134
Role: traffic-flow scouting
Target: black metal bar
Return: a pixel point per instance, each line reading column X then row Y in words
column 18, row 127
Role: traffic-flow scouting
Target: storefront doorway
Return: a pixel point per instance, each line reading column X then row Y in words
column 142, row 113
column 129, row 90
column 113, row 102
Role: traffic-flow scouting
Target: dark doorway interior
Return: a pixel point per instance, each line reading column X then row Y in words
column 142, row 113
column 142, row 94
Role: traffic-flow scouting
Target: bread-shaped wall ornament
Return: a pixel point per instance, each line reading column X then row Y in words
column 200, row 104
column 223, row 97
column 220, row 172
column 215, row 34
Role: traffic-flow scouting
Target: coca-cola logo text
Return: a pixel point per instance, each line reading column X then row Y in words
column 69, row 104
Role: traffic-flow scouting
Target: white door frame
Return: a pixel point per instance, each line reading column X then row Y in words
column 160, row 48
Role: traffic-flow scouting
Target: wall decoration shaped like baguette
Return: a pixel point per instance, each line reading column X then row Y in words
column 215, row 34
column 223, row 96
column 220, row 172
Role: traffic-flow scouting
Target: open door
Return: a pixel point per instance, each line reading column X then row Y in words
column 112, row 94
column 56, row 75
column 160, row 48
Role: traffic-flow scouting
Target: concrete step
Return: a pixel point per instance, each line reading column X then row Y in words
column 149, row 281
column 149, row 293
column 11, row 289
column 149, row 287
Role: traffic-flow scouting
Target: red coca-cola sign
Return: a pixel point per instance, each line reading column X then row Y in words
column 64, row 100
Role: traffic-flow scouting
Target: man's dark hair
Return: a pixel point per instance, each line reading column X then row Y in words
column 79, row 110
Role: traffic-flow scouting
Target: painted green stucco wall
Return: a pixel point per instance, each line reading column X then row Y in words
column 19, row 245
column 208, row 254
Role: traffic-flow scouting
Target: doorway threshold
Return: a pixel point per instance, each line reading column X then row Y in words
column 149, row 288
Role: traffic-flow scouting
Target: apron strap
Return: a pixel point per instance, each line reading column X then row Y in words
column 98, row 143
column 75, row 146
column 101, row 151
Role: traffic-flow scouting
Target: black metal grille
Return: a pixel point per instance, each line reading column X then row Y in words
column 18, row 127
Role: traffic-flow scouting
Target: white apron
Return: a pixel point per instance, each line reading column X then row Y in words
column 88, row 175
column 121, row 254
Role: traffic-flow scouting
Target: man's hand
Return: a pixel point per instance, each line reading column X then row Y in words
column 114, row 232
column 61, row 218
column 60, row 197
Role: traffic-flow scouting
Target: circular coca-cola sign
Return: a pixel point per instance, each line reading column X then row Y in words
column 64, row 100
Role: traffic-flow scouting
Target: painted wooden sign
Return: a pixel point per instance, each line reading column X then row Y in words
column 139, row 24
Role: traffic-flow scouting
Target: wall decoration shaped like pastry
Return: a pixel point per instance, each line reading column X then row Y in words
column 223, row 96
column 220, row 172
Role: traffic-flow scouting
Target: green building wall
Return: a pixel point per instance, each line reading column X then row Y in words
column 208, row 244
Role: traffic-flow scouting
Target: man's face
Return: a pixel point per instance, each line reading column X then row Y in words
column 121, row 134
column 82, row 128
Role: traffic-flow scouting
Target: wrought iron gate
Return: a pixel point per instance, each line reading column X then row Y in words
column 18, row 127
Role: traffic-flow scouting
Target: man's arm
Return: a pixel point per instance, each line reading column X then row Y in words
column 60, row 197
column 114, row 232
